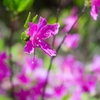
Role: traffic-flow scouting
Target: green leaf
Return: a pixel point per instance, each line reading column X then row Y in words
column 79, row 2
column 24, row 4
column 27, row 20
column 85, row 96
column 2, row 97
column 34, row 18
column 1, row 44
column 10, row 4
column 66, row 97
column 18, row 5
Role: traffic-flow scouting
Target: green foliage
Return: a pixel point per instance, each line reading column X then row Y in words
column 79, row 2
column 4, row 98
column 34, row 18
column 66, row 97
column 85, row 96
column 52, row 19
column 27, row 20
column 18, row 5
column 1, row 44
column 24, row 36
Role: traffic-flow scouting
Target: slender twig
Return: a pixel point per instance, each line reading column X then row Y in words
column 50, row 65
column 10, row 57
column 70, row 29
column 57, row 17
column 46, row 80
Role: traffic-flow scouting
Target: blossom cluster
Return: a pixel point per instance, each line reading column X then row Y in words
column 70, row 78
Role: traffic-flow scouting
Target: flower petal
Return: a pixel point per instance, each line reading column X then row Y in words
column 72, row 40
column 24, row 79
column 49, row 31
column 42, row 22
column 46, row 48
column 29, row 48
column 3, row 55
column 32, row 29
column 94, row 12
column 4, row 70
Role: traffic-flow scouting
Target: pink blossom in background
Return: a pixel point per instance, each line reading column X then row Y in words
column 89, row 83
column 31, row 80
column 73, row 70
column 69, row 75
column 69, row 21
column 38, row 33
column 95, row 9
column 76, row 95
column 4, row 69
column 72, row 40
column 96, row 64
column 31, row 76
column 28, row 70
column 68, row 78
column 24, row 94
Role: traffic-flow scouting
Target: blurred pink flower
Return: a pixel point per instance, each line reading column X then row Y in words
column 96, row 64
column 89, row 83
column 95, row 9
column 77, row 95
column 28, row 69
column 69, row 21
column 38, row 33
column 4, row 69
column 69, row 75
column 72, row 40
column 24, row 94
column 73, row 70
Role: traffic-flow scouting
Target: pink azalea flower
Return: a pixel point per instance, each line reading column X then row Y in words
column 95, row 9
column 72, row 40
column 4, row 69
column 69, row 21
column 38, row 33
column 73, row 70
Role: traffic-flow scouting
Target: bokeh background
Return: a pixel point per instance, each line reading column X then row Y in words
column 13, row 15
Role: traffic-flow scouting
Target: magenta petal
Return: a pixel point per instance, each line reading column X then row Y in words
column 24, row 79
column 3, row 55
column 4, row 70
column 48, row 31
column 46, row 48
column 94, row 12
column 42, row 22
column 29, row 48
column 32, row 29
column 72, row 40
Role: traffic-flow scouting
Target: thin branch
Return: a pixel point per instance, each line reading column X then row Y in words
column 57, row 17
column 70, row 29
column 10, row 57
column 46, row 80
column 50, row 65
